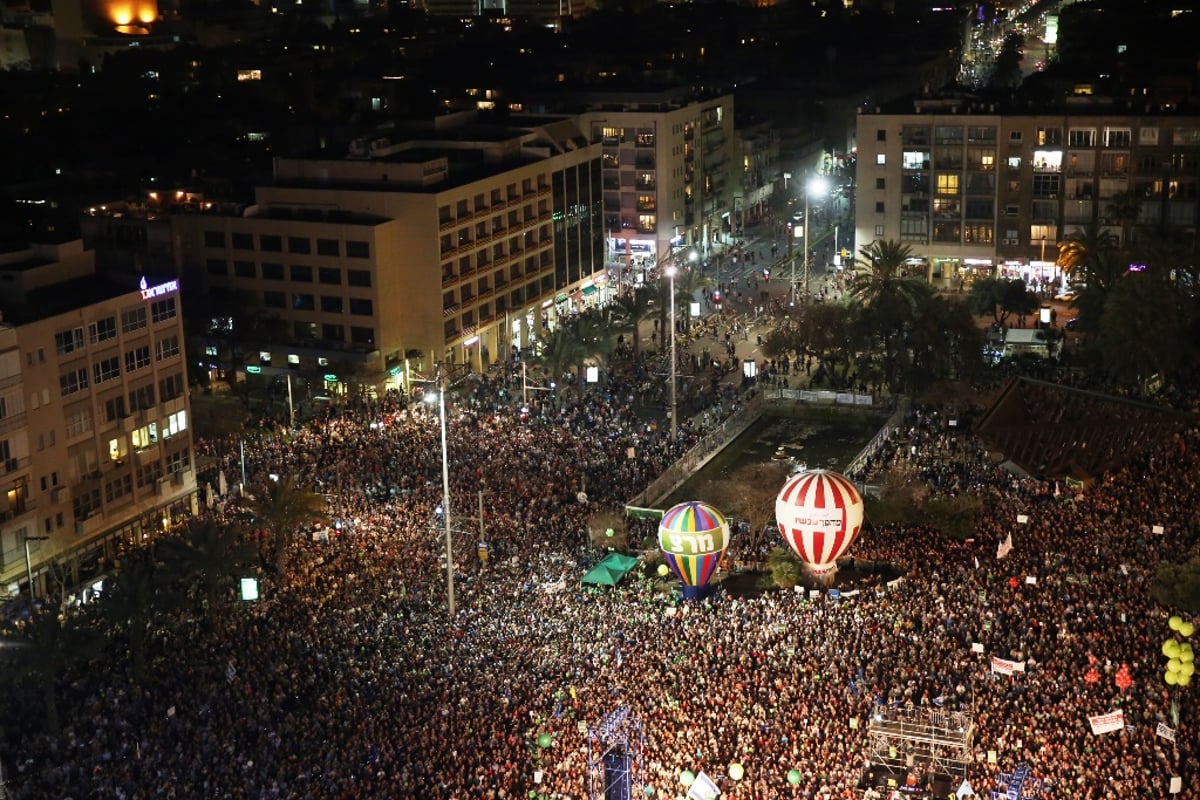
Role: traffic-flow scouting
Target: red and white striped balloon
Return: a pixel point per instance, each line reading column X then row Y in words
column 819, row 514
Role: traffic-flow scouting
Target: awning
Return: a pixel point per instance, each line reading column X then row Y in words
column 561, row 298
column 588, row 291
column 610, row 570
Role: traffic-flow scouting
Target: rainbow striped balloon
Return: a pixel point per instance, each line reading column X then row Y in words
column 693, row 537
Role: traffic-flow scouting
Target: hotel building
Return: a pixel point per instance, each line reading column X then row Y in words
column 95, row 424
column 451, row 242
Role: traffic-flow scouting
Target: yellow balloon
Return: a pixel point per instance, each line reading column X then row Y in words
column 1187, row 629
column 1174, row 622
column 1170, row 648
column 1172, row 678
column 1187, row 668
column 1174, row 664
column 736, row 771
column 1186, row 656
column 1184, row 680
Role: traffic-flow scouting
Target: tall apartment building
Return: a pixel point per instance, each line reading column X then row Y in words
column 456, row 240
column 975, row 192
column 672, row 168
column 95, row 424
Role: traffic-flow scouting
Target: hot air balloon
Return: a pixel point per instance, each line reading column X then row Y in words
column 693, row 537
column 819, row 514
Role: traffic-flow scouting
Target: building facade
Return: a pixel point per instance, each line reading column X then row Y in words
column 448, row 244
column 672, row 168
column 95, row 422
column 977, row 193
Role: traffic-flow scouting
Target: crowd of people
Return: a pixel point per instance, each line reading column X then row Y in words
column 348, row 679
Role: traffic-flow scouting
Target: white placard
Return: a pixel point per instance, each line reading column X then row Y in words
column 1165, row 732
column 1022, row 519
column 976, row 647
column 1157, row 529
column 1031, row 580
column 1176, row 784
column 593, row 374
column 1107, row 723
column 249, row 588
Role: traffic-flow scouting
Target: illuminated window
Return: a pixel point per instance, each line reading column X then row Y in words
column 145, row 436
column 249, row 75
column 947, row 183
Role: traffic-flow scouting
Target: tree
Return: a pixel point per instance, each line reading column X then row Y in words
column 889, row 298
column 635, row 306
column 130, row 601
column 209, row 555
column 1080, row 250
column 281, row 506
column 1178, row 585
column 944, row 342
column 1141, row 314
column 784, row 567
column 1001, row 298
column 749, row 493
column 46, row 646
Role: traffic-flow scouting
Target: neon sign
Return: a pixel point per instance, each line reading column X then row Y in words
column 150, row 292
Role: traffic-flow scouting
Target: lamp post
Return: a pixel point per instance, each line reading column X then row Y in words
column 817, row 186
column 446, row 495
column 674, row 423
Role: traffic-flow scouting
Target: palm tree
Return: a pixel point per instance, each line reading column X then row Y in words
column 890, row 300
column 560, row 350
column 130, row 600
column 281, row 506
column 1080, row 250
column 635, row 306
column 210, row 554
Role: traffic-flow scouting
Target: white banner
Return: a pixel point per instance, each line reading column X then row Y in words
column 1165, row 732
column 1006, row 667
column 1107, row 723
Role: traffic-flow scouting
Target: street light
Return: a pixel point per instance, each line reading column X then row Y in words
column 441, row 401
column 671, row 278
column 816, row 186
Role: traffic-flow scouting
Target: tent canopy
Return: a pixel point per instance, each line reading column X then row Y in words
column 610, row 570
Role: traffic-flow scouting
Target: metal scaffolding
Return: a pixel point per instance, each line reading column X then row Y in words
column 930, row 739
column 615, row 756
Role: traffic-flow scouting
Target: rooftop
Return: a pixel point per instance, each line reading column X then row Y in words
column 62, row 297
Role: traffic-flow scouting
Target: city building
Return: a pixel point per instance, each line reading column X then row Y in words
column 979, row 191
column 672, row 168
column 452, row 241
column 95, row 423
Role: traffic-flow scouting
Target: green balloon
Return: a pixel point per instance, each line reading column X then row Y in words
column 794, row 777
column 1171, row 678
column 545, row 740
column 1174, row 622
column 687, row 778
